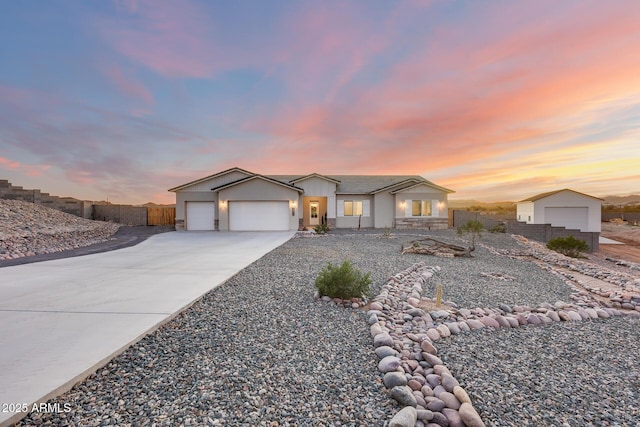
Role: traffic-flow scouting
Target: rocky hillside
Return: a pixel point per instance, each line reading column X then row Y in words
column 27, row 229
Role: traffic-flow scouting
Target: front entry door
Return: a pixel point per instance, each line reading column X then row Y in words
column 314, row 209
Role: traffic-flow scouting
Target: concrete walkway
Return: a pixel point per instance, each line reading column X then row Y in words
column 607, row 241
column 61, row 320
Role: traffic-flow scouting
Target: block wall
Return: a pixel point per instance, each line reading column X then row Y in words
column 122, row 214
column 81, row 208
column 538, row 232
column 422, row 223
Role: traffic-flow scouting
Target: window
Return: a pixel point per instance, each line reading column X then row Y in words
column 352, row 207
column 421, row 208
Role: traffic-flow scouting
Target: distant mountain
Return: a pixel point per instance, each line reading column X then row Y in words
column 463, row 204
column 633, row 199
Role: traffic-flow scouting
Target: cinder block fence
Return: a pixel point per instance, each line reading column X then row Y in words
column 122, row 214
column 538, row 232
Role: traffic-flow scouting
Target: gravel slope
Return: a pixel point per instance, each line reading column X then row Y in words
column 27, row 229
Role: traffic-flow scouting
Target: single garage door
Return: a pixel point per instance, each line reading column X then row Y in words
column 258, row 216
column 568, row 217
column 200, row 215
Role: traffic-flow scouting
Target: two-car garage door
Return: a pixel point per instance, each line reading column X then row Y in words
column 258, row 216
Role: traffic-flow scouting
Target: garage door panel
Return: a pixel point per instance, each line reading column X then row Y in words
column 200, row 216
column 568, row 217
column 258, row 216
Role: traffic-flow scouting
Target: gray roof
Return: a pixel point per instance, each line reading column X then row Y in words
column 364, row 184
column 345, row 184
column 551, row 193
column 256, row 176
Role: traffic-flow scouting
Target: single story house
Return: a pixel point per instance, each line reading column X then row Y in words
column 562, row 208
column 236, row 199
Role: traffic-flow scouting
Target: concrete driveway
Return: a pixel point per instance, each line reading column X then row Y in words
column 61, row 320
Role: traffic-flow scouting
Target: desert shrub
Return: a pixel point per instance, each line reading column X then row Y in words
column 321, row 229
column 500, row 228
column 569, row 246
column 474, row 228
column 343, row 281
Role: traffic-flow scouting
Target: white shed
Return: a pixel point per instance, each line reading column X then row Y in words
column 562, row 208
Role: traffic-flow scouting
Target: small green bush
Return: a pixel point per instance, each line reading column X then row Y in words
column 473, row 227
column 343, row 282
column 321, row 229
column 500, row 228
column 569, row 246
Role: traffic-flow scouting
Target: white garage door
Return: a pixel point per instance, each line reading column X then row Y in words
column 573, row 218
column 258, row 216
column 200, row 215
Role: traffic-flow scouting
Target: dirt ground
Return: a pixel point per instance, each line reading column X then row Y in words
column 625, row 233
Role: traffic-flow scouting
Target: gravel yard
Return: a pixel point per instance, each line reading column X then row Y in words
column 260, row 351
column 564, row 374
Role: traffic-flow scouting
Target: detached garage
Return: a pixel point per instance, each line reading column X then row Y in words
column 562, row 208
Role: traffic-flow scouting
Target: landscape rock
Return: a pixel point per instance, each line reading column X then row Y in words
column 470, row 416
column 406, row 417
column 404, row 396
column 389, row 364
column 394, row 379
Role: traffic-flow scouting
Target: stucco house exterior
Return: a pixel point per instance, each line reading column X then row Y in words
column 238, row 200
column 562, row 208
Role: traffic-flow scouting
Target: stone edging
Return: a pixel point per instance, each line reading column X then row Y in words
column 626, row 295
column 344, row 303
column 404, row 336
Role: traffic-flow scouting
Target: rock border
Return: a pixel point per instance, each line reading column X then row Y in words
column 404, row 335
column 344, row 303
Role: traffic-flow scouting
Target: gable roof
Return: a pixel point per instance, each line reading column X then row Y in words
column 551, row 193
column 425, row 182
column 314, row 175
column 261, row 177
column 362, row 184
column 215, row 175
column 373, row 184
column 345, row 184
column 398, row 185
column 370, row 184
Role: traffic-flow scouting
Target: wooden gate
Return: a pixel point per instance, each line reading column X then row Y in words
column 161, row 216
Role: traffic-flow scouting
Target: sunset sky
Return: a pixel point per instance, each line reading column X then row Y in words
column 497, row 100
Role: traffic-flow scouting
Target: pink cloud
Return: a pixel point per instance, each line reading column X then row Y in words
column 332, row 43
column 9, row 164
column 128, row 85
column 29, row 170
column 481, row 97
column 171, row 38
